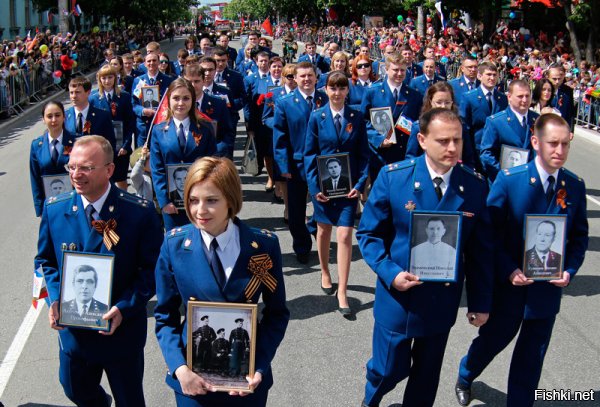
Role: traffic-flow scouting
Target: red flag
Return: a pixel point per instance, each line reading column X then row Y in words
column 242, row 20
column 266, row 25
column 161, row 113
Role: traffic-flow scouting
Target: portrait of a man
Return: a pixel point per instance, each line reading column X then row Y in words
column 239, row 341
column 57, row 187
column 434, row 258
column 512, row 157
column 203, row 339
column 540, row 259
column 84, row 309
column 150, row 98
column 336, row 181
column 176, row 194
column 381, row 121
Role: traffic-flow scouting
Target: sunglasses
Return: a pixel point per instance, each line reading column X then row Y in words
column 290, row 77
column 362, row 66
column 164, row 62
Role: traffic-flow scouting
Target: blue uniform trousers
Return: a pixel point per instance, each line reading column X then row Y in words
column 527, row 358
column 391, row 363
column 297, row 190
column 80, row 378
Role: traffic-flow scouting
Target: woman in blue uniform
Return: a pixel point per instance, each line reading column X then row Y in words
column 325, row 137
column 180, row 139
column 49, row 153
column 213, row 198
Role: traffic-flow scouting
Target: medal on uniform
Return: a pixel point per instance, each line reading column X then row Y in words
column 74, row 208
column 532, row 180
column 410, row 206
column 72, row 246
column 461, row 188
column 111, row 208
column 254, row 244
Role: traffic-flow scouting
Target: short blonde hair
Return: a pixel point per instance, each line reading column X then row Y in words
column 223, row 174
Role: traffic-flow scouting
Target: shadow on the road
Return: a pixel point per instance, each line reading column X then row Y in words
column 273, row 224
column 593, row 192
column 40, row 405
column 309, row 306
column 487, row 395
column 594, row 244
column 2, row 173
column 593, row 214
column 586, row 286
column 18, row 127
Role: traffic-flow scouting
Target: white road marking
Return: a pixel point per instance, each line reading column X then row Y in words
column 594, row 200
column 16, row 347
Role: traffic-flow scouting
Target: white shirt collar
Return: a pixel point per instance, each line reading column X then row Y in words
column 99, row 202
column 485, row 91
column 304, row 95
column 83, row 112
column 208, row 88
column 333, row 112
column 543, row 174
column 185, row 122
column 288, row 89
column 59, row 138
column 392, row 87
column 109, row 93
column 519, row 115
column 199, row 101
column 223, row 239
column 445, row 177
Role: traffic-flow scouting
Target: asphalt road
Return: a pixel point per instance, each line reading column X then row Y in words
column 321, row 361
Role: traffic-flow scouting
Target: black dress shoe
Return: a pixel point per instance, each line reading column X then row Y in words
column 269, row 189
column 463, row 394
column 329, row 290
column 346, row 312
column 303, row 257
column 277, row 199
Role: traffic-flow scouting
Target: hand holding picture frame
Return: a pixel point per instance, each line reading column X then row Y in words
column 383, row 122
column 335, row 177
column 85, row 290
column 544, row 246
column 435, row 245
column 221, row 343
column 150, row 96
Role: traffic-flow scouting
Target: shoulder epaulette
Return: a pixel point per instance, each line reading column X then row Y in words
column 59, row 198
column 471, row 171
column 264, row 232
column 572, row 174
column 286, row 96
column 515, row 170
column 175, row 232
column 126, row 196
column 400, row 165
column 498, row 114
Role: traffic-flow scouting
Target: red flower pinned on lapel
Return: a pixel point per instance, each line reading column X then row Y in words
column 113, row 108
column 560, row 101
column 87, row 127
column 561, row 194
column 210, row 111
column 318, row 103
column 349, row 128
column 67, row 150
column 197, row 137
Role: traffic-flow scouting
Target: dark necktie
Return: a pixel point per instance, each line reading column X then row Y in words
column 469, row 86
column 79, row 123
column 550, row 189
column 54, row 151
column 544, row 262
column 218, row 78
column 215, row 263
column 263, row 76
column 309, row 100
column 181, row 137
column 430, row 82
column 438, row 190
column 337, row 120
column 489, row 100
column 276, row 82
column 89, row 214
column 109, row 98
column 84, row 310
column 524, row 122
column 396, row 94
column 208, row 91
column 152, row 81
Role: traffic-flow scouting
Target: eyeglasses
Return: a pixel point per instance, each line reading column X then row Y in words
column 164, row 62
column 362, row 66
column 290, row 77
column 84, row 169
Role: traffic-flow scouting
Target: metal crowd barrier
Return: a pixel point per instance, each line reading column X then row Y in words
column 588, row 111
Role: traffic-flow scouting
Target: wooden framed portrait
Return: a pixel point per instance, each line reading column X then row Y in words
column 335, row 177
column 85, row 290
column 545, row 239
column 56, row 184
column 383, row 121
column 435, row 245
column 511, row 156
column 176, row 174
column 221, row 343
column 150, row 96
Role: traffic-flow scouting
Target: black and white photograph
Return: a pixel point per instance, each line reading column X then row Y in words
column 85, row 291
column 544, row 246
column 150, row 96
column 434, row 242
column 56, row 184
column 222, row 343
column 118, row 127
column 512, row 156
column 175, row 181
column 382, row 120
column 334, row 175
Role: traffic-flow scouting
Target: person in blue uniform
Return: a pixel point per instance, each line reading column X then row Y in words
column 423, row 82
column 412, row 68
column 83, row 119
column 289, row 138
column 180, row 139
column 143, row 114
column 317, row 60
column 223, row 42
column 563, row 94
column 85, row 355
column 129, row 72
column 413, row 318
column 232, row 80
column 439, row 95
column 49, row 153
column 543, row 186
column 241, row 55
column 111, row 98
column 468, row 80
column 404, row 101
column 439, row 68
column 512, row 127
column 215, row 258
column 336, row 128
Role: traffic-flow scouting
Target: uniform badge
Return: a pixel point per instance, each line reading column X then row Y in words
column 40, row 143
column 296, row 100
column 187, row 243
column 410, row 206
column 461, row 188
column 417, row 185
column 111, row 208
column 74, row 208
column 254, row 244
column 532, row 180
column 72, row 246
column 63, row 247
column 562, row 182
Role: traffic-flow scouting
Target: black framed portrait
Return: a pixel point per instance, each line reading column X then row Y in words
column 335, row 177
column 544, row 246
column 176, row 174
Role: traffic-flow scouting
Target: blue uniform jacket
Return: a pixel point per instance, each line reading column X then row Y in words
column 412, row 71
column 126, row 82
column 138, row 227
column 235, row 83
column 408, row 105
column 216, row 108
column 319, row 62
column 322, row 139
column 504, row 128
column 40, row 164
column 474, row 111
column 142, row 122
column 460, row 87
column 100, row 124
column 421, row 83
column 124, row 113
column 164, row 150
column 269, row 110
column 440, row 69
column 384, row 238
column 181, row 252
column 519, row 191
column 289, row 131
column 563, row 101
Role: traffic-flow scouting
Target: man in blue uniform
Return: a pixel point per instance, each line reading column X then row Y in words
column 563, row 94
column 241, row 55
column 422, row 82
column 317, row 60
column 512, row 127
column 429, row 53
column 223, row 42
column 232, row 80
column 80, row 221
column 542, row 186
column 289, row 133
column 412, row 68
column 413, row 318
column 404, row 101
column 467, row 81
column 83, row 119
